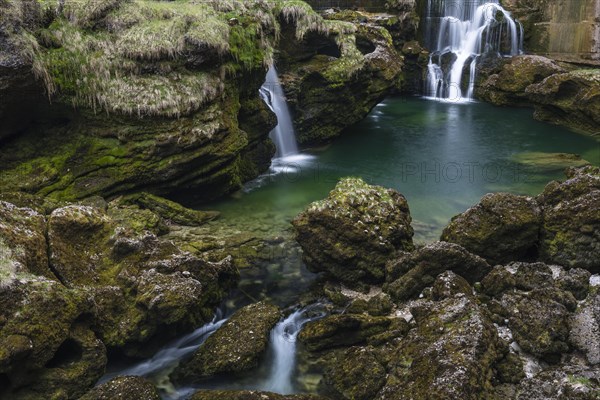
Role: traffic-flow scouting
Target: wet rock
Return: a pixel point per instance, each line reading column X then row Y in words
column 342, row 330
column 410, row 273
column 23, row 241
column 502, row 227
column 237, row 346
column 124, row 388
column 510, row 369
column 571, row 229
column 249, row 395
column 585, row 329
column 356, row 374
column 449, row 355
column 354, row 231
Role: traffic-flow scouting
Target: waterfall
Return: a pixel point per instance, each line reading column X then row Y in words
column 283, row 135
column 162, row 363
column 465, row 30
column 283, row 349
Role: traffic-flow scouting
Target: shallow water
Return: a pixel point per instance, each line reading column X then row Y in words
column 442, row 156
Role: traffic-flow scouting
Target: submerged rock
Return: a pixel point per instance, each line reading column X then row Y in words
column 352, row 233
column 124, row 388
column 235, row 347
column 571, row 228
column 410, row 273
column 502, row 227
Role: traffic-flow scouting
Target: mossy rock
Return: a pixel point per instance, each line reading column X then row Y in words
column 409, row 273
column 249, row 395
column 570, row 235
column 354, row 231
column 235, row 347
column 502, row 227
column 124, row 388
column 342, row 330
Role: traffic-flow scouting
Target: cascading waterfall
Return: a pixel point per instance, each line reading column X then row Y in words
column 162, row 363
column 283, row 134
column 465, row 30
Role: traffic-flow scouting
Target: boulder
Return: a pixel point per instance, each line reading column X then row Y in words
column 342, row 330
column 448, row 355
column 23, row 245
column 124, row 388
column 410, row 273
column 356, row 374
column 570, row 234
column 235, row 347
column 502, row 227
column 353, row 232
column 507, row 87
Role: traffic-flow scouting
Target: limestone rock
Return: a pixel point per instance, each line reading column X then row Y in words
column 354, row 231
column 502, row 227
column 236, row 346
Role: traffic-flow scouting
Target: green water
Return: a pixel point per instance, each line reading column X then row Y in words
column 443, row 157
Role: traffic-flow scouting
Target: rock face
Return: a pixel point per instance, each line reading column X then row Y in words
column 352, row 232
column 164, row 117
column 124, row 388
column 571, row 230
column 501, row 227
column 547, row 24
column 410, row 273
column 585, row 329
column 352, row 63
column 237, row 346
column 565, row 97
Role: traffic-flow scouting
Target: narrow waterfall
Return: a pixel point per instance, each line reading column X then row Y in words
column 465, row 30
column 283, row 135
column 162, row 363
column 283, row 349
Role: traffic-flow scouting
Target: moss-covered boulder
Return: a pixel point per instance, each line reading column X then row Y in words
column 342, row 330
column 508, row 86
column 23, row 241
column 235, row 347
column 448, row 355
column 409, row 273
column 46, row 346
column 354, row 231
column 570, row 235
column 356, row 374
column 124, row 388
column 502, row 227
column 249, row 395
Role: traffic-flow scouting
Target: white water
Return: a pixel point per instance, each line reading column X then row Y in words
column 283, row 348
column 159, row 366
column 283, row 134
column 466, row 30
